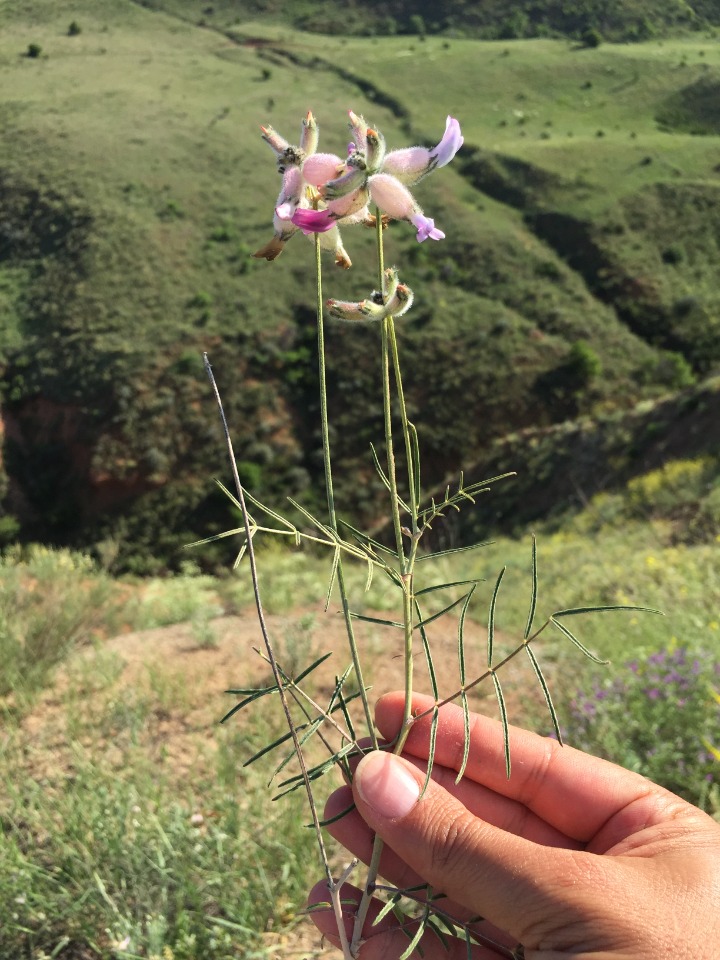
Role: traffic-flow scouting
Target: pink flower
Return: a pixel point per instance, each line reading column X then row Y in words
column 371, row 173
column 345, row 187
column 413, row 163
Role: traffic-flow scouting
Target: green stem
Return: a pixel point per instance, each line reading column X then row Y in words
column 412, row 479
column 332, row 515
column 407, row 562
column 380, row 248
column 389, row 447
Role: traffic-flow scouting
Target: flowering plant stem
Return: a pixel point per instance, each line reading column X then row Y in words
column 332, row 515
column 406, row 561
column 319, row 192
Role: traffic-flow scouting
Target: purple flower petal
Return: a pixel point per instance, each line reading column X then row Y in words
column 426, row 228
column 450, row 144
column 313, row 221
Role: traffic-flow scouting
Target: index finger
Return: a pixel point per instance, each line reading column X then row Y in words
column 570, row 790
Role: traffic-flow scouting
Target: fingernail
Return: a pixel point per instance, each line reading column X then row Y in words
column 386, row 785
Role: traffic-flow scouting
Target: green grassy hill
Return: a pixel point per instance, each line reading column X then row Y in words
column 627, row 20
column 579, row 274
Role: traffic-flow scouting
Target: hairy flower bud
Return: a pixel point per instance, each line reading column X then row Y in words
column 309, row 134
column 396, row 300
column 358, row 130
column 375, row 153
column 274, row 140
column 354, row 179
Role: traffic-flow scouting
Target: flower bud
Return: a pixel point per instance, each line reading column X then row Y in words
column 354, row 179
column 358, row 130
column 321, row 167
column 274, row 140
column 309, row 135
column 375, row 153
column 366, row 310
column 390, row 283
column 395, row 301
column 401, row 302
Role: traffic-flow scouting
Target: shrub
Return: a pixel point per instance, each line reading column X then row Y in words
column 672, row 254
column 74, row 29
column 515, row 27
column 50, row 602
column 202, row 299
column 669, row 368
column 417, row 25
column 33, row 51
column 705, row 525
column 591, row 38
column 171, row 211
column 686, row 492
column 676, row 487
column 9, row 529
column 584, row 365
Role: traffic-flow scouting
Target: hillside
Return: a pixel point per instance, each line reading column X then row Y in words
column 623, row 20
column 579, row 275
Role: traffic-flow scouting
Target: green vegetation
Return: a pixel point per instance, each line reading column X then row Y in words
column 629, row 20
column 108, row 848
column 578, row 277
column 659, row 717
column 48, row 605
column 127, row 824
column 567, row 329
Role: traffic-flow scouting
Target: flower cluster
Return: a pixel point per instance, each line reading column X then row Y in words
column 321, row 192
column 660, row 717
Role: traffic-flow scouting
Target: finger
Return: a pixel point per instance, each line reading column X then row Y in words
column 503, row 812
column 357, row 837
column 386, row 938
column 571, row 791
column 487, row 870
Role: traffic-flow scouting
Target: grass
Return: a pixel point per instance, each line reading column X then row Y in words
column 106, row 861
column 125, row 826
column 128, row 826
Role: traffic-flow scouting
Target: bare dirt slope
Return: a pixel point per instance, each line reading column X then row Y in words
column 177, row 682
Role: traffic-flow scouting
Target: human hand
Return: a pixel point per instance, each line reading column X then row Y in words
column 572, row 856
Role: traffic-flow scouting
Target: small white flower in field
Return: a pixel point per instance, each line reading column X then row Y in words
column 371, row 174
column 395, row 301
column 21, row 899
column 120, row 946
column 197, row 819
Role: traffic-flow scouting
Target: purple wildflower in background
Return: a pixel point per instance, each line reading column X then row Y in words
column 656, row 717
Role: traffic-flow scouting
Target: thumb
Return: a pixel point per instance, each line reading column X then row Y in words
column 524, row 888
